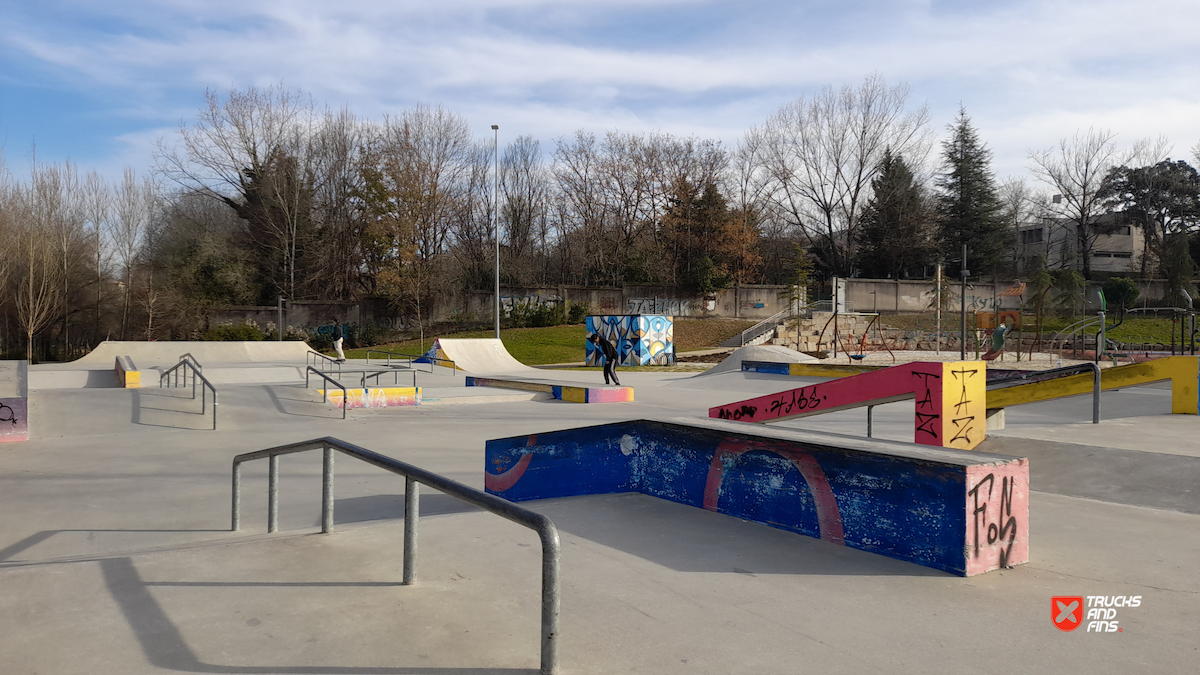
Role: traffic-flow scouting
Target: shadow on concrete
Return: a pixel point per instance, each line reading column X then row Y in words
column 38, row 537
column 688, row 539
column 165, row 647
column 101, row 379
column 139, row 408
column 330, row 412
column 388, row 507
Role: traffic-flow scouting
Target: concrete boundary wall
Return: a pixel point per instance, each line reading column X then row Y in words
column 961, row 512
column 14, row 401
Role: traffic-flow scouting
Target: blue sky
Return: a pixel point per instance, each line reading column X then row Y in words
column 100, row 83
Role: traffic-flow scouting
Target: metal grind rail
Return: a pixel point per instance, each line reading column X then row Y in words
column 413, row 478
column 412, row 359
column 325, row 392
column 311, row 359
column 1053, row 374
column 184, row 365
column 366, row 374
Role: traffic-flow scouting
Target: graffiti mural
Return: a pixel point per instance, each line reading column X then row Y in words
column 667, row 306
column 641, row 340
column 949, row 512
column 377, row 397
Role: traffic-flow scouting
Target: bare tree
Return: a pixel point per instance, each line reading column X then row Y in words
column 818, row 156
column 251, row 151
column 1075, row 171
column 133, row 205
column 38, row 291
column 97, row 211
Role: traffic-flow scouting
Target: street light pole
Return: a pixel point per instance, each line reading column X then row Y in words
column 496, row 218
column 962, row 342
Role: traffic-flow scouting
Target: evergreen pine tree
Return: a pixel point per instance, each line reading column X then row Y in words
column 969, row 208
column 890, row 241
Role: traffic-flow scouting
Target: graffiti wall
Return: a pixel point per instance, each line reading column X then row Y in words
column 962, row 513
column 14, row 401
column 375, row 397
column 641, row 340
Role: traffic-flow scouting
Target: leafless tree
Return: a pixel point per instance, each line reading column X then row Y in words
column 1075, row 171
column 96, row 204
column 818, row 156
column 251, row 150
column 37, row 207
column 133, row 205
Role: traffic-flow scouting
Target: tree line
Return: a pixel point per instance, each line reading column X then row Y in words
column 265, row 194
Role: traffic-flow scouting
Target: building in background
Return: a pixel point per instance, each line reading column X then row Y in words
column 1117, row 247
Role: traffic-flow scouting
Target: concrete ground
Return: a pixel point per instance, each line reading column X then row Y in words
column 115, row 554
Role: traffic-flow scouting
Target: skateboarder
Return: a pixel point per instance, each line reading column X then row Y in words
column 609, row 353
column 337, row 340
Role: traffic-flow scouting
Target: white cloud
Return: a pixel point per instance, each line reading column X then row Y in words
column 1029, row 72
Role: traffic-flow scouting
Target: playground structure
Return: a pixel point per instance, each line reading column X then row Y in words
column 949, row 398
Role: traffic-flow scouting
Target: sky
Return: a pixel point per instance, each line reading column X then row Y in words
column 101, row 83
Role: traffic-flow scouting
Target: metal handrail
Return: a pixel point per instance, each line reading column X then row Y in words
column 188, row 355
column 433, row 360
column 376, row 373
column 183, row 366
column 776, row 318
column 407, row 357
column 325, row 392
column 413, row 477
column 313, row 353
column 1055, row 373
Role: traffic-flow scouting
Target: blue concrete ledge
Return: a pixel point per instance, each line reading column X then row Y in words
column 964, row 512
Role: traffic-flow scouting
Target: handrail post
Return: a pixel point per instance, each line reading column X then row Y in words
column 412, row 513
column 237, row 496
column 327, row 491
column 870, row 415
column 551, row 552
column 1095, row 394
column 273, row 494
column 214, row 408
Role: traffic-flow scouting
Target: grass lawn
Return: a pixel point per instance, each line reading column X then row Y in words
column 565, row 344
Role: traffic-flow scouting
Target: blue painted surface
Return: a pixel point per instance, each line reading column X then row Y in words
column 765, row 367
column 900, row 507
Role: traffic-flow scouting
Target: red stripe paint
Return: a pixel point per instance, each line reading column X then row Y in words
column 503, row 481
column 829, row 516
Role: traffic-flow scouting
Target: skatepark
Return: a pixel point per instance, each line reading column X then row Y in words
column 117, row 553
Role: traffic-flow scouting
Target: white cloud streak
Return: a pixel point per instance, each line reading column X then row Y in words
column 1029, row 72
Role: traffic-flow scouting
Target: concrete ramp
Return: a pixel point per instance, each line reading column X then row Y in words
column 773, row 353
column 481, row 356
column 151, row 354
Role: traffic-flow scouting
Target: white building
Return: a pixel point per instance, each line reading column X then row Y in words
column 1116, row 246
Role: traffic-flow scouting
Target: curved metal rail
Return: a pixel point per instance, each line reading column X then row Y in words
column 184, row 365
column 325, row 392
column 413, row 478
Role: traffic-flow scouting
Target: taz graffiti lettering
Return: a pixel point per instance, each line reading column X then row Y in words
column 965, row 423
column 926, row 409
column 1002, row 527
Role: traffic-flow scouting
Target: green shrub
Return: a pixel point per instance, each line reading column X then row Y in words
column 577, row 312
column 1120, row 292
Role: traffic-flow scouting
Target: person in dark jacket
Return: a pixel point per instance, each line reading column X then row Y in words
column 337, row 340
column 609, row 353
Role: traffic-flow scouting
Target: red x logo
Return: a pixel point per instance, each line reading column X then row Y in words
column 1066, row 611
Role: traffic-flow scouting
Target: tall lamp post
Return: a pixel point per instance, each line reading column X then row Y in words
column 496, row 219
column 962, row 343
